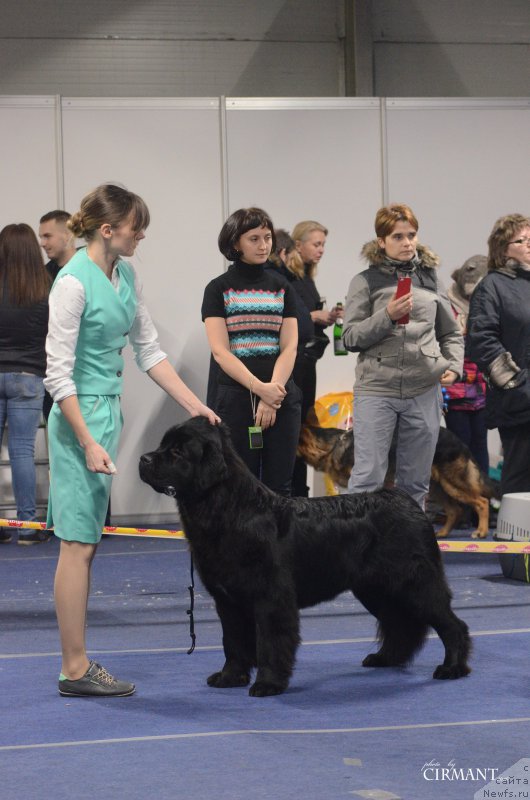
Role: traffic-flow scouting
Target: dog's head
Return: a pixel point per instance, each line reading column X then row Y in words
column 470, row 274
column 328, row 450
column 189, row 460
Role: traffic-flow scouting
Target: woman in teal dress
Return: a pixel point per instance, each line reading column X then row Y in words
column 95, row 307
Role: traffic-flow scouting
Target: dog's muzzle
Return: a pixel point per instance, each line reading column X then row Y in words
column 146, row 464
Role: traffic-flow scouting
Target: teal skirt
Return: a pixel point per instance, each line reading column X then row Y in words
column 78, row 498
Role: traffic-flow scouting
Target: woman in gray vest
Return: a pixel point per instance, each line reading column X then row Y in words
column 408, row 347
column 96, row 305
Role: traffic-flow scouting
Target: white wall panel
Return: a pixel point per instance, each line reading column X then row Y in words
column 313, row 159
column 28, row 159
column 167, row 152
column 460, row 164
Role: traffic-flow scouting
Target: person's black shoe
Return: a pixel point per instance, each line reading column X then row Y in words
column 96, row 682
column 35, row 537
column 5, row 535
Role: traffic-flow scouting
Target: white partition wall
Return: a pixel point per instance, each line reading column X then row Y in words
column 311, row 159
column 29, row 148
column 459, row 163
column 167, row 151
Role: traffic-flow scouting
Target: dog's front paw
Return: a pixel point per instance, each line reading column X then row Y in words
column 263, row 689
column 227, row 680
column 375, row 660
column 443, row 673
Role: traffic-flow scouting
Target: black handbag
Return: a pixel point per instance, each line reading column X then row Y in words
column 314, row 348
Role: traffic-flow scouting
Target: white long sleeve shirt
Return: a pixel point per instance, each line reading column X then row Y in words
column 67, row 302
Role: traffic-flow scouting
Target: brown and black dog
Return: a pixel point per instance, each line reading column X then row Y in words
column 456, row 480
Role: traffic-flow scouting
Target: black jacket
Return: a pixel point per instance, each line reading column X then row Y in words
column 305, row 323
column 499, row 323
column 23, row 332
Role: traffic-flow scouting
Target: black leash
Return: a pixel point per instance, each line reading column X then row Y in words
column 189, row 612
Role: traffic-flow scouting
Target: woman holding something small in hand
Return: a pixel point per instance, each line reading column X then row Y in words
column 95, row 306
column 250, row 318
column 409, row 346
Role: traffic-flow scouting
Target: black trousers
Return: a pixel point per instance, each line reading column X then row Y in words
column 305, row 377
column 516, row 466
column 470, row 427
column 273, row 464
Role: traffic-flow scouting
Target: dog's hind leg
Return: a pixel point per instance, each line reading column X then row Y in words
column 239, row 644
column 401, row 636
column 454, row 634
column 431, row 604
column 277, row 639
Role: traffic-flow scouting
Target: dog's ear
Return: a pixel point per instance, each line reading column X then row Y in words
column 213, row 466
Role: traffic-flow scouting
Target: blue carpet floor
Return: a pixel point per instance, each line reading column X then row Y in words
column 340, row 731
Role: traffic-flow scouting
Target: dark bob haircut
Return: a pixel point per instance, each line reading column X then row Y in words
column 238, row 223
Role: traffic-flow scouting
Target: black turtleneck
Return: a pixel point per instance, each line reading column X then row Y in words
column 253, row 301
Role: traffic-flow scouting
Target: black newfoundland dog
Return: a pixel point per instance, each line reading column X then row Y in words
column 262, row 557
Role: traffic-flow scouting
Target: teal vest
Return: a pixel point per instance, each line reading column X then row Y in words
column 105, row 324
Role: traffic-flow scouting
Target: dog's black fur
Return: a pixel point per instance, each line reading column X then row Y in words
column 262, row 557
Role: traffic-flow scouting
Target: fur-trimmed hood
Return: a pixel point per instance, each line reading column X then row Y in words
column 512, row 268
column 374, row 256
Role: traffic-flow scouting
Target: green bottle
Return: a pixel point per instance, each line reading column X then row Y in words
column 338, row 344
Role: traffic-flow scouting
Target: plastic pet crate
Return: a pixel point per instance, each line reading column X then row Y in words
column 513, row 524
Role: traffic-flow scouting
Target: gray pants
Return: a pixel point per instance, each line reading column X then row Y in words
column 374, row 421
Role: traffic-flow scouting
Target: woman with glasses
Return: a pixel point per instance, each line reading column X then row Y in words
column 498, row 340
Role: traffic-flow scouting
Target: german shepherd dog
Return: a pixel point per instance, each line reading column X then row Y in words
column 456, row 480
column 262, row 557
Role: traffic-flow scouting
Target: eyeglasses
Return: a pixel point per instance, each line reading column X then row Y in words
column 521, row 241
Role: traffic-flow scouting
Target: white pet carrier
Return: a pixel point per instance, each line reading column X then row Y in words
column 513, row 524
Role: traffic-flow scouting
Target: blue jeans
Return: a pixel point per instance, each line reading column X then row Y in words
column 21, row 397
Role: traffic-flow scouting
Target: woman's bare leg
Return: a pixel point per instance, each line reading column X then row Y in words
column 72, row 588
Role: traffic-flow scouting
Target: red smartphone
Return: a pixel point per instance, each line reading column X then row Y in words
column 403, row 287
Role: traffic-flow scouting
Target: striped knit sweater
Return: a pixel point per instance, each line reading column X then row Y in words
column 253, row 301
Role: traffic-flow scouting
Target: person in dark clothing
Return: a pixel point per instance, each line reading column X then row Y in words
column 279, row 261
column 466, row 398
column 24, row 290
column 58, row 242
column 498, row 340
column 310, row 239
column 250, row 318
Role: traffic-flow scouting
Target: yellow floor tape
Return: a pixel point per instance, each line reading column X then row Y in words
column 444, row 545
column 152, row 532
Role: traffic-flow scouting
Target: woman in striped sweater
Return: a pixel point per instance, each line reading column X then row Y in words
column 250, row 318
